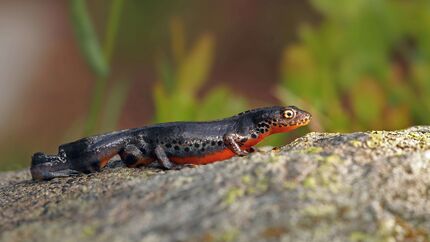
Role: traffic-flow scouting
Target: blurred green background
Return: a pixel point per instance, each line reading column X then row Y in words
column 75, row 68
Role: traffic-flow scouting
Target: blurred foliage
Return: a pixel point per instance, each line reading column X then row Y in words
column 176, row 94
column 99, row 61
column 365, row 66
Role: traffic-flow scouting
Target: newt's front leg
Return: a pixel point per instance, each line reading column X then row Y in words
column 233, row 142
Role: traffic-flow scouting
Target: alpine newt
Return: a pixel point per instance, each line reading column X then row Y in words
column 170, row 145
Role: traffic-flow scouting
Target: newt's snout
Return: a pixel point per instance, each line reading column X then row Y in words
column 303, row 118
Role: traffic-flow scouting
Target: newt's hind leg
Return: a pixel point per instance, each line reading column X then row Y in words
column 132, row 156
column 47, row 167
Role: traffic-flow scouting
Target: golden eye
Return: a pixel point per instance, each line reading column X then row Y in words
column 289, row 114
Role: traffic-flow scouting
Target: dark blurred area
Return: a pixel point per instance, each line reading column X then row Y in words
column 74, row 68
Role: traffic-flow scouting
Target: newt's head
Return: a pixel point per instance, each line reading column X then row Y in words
column 279, row 119
column 290, row 118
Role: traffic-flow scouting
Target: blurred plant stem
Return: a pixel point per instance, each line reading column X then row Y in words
column 87, row 38
column 98, row 59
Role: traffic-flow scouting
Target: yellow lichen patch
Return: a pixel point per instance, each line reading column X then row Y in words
column 246, row 179
column 274, row 157
column 356, row 143
column 320, row 210
column 290, row 185
column 229, row 235
column 249, row 185
column 415, row 135
column 358, row 236
column 423, row 139
column 310, row 182
column 326, row 175
column 233, row 194
column 88, row 231
column 313, row 150
column 375, row 139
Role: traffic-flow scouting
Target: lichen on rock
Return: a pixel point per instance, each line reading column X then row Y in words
column 364, row 186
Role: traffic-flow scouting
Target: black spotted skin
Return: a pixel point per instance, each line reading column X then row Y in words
column 170, row 145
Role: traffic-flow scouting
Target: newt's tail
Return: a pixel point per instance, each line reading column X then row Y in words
column 82, row 156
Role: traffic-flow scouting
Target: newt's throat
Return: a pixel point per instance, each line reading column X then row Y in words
column 284, row 129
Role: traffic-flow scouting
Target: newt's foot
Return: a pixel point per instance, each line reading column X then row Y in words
column 242, row 152
column 252, row 149
column 47, row 167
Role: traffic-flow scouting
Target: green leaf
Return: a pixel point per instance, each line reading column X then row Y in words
column 195, row 68
column 87, row 38
column 112, row 28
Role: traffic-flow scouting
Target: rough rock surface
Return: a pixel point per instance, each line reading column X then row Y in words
column 371, row 186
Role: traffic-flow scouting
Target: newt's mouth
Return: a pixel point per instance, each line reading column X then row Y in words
column 305, row 120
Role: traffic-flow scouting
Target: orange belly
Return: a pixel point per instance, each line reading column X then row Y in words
column 216, row 156
column 204, row 159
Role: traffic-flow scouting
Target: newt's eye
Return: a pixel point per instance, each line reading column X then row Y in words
column 289, row 114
